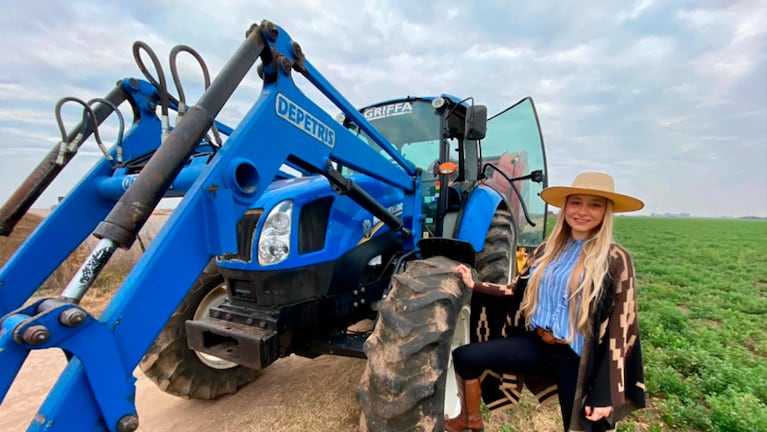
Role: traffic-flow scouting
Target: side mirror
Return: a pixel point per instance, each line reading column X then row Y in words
column 476, row 122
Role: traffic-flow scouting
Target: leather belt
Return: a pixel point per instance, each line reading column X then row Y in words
column 548, row 336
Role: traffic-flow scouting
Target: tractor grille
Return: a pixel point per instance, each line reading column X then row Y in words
column 313, row 224
column 245, row 230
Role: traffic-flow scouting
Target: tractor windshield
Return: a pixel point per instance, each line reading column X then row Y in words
column 413, row 127
column 405, row 122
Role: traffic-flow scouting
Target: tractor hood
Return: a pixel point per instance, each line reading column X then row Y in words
column 292, row 223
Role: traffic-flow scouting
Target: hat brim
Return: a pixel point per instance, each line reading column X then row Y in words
column 557, row 196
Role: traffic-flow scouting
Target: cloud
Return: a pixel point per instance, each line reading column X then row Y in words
column 660, row 93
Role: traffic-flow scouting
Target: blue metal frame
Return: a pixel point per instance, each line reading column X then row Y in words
column 104, row 352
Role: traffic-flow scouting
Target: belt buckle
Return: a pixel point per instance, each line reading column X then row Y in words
column 547, row 336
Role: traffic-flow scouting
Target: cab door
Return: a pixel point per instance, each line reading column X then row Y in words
column 511, row 150
column 514, row 145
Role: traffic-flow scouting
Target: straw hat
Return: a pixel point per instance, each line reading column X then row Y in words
column 592, row 183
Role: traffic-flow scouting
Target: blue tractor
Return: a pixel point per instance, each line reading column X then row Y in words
column 299, row 233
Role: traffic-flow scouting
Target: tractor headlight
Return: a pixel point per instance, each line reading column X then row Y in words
column 274, row 241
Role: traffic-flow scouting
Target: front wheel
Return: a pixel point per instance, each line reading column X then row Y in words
column 183, row 372
column 403, row 387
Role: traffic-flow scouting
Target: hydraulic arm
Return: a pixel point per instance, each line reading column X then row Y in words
column 96, row 390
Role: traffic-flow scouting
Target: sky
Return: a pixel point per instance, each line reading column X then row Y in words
column 670, row 97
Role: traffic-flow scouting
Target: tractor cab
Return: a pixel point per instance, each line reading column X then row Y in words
column 429, row 132
column 456, row 148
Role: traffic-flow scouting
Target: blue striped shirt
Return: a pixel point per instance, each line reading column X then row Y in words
column 553, row 306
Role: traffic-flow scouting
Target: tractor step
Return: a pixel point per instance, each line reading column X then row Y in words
column 343, row 344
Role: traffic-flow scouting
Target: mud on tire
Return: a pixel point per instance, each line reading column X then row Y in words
column 403, row 385
column 178, row 370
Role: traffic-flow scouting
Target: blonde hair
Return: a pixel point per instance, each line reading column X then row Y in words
column 585, row 283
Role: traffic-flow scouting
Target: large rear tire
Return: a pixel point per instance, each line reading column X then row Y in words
column 403, row 385
column 496, row 263
column 186, row 373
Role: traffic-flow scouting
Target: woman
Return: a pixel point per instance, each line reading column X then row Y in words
column 574, row 322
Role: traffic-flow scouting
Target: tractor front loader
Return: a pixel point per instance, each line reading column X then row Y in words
column 294, row 228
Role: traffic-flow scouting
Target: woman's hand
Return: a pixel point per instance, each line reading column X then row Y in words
column 597, row 413
column 465, row 273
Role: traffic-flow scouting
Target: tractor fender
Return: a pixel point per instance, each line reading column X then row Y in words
column 477, row 215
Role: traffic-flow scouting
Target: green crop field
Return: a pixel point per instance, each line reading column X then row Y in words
column 702, row 287
column 702, row 294
column 703, row 316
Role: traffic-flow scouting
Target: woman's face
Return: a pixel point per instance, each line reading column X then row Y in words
column 584, row 213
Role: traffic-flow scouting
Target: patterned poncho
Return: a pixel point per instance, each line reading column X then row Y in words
column 610, row 371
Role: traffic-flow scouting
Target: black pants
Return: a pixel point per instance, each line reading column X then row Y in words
column 525, row 354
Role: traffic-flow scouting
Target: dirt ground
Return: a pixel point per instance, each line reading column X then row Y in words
column 293, row 394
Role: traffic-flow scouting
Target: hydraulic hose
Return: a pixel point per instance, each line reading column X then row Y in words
column 47, row 170
column 136, row 205
column 182, row 107
column 120, row 130
column 160, row 83
column 67, row 147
